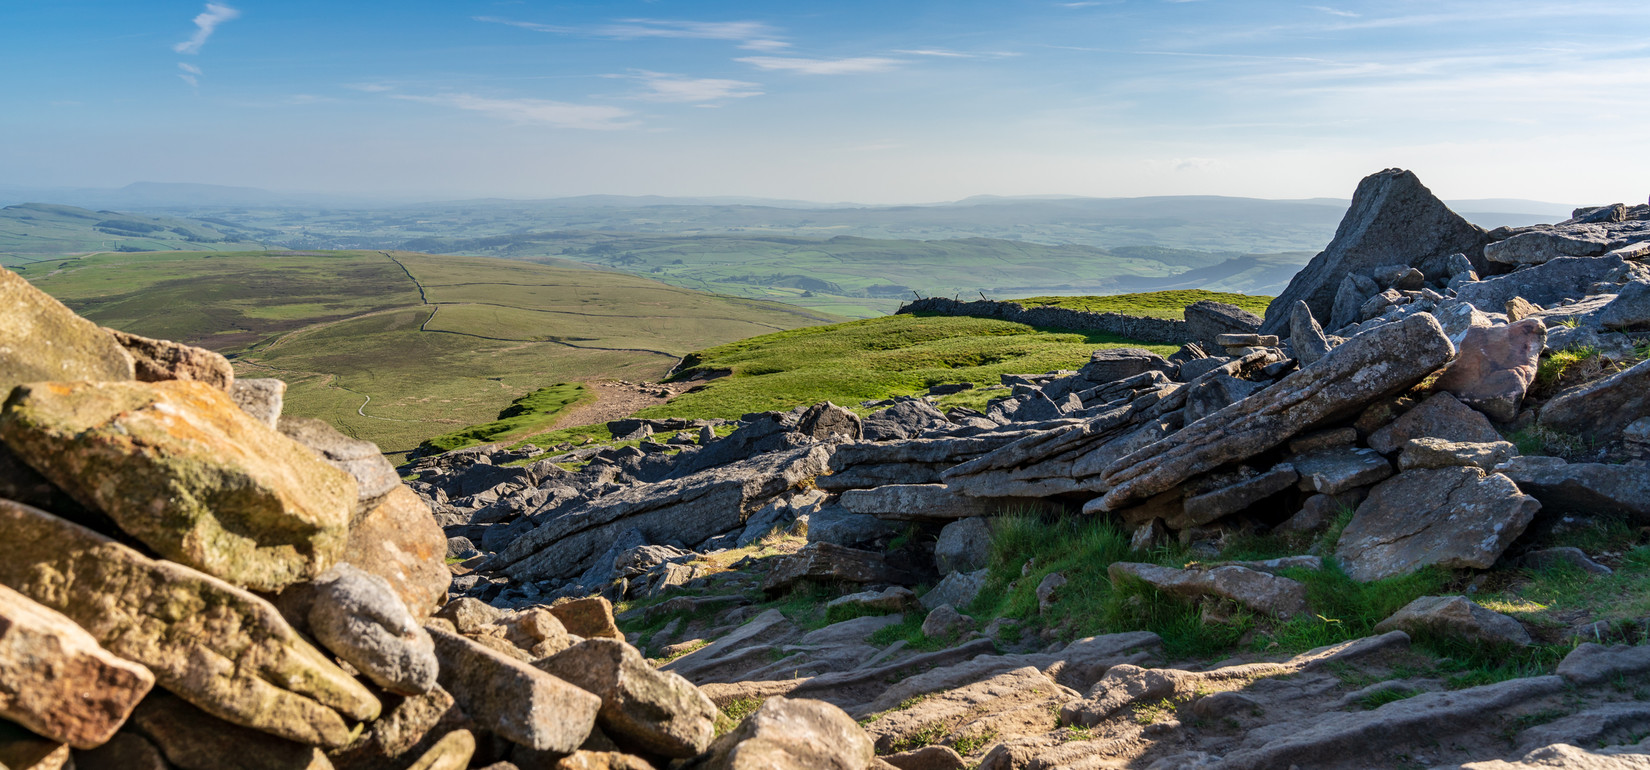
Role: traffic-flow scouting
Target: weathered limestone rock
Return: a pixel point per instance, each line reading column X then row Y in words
column 1354, row 290
column 945, row 621
column 161, row 360
column 1372, row 365
column 920, row 502
column 964, row 545
column 655, row 712
column 180, row 467
column 1393, row 220
column 373, row 474
column 1565, row 278
column 599, row 760
column 399, row 541
column 1630, row 310
column 1334, row 471
column 1441, row 416
column 1563, row 755
column 1538, row 246
column 906, row 419
column 957, row 589
column 1562, row 556
column 1020, row 700
column 793, row 734
column 591, row 618
column 1207, row 506
column 828, row 562
column 1276, row 596
column 825, row 420
column 1455, row 616
column 927, row 758
column 1427, row 452
column 1495, row 367
column 261, row 398
column 1601, row 410
column 518, row 702
column 1111, row 364
column 56, row 681
column 1591, row 663
column 359, row 618
column 40, row 339
column 689, row 510
column 219, row 647
column 1306, row 336
column 1452, row 517
column 192, row 739
column 1589, row 489
column 890, row 599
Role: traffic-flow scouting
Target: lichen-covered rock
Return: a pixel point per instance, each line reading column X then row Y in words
column 1601, row 410
column 1276, row 596
column 1367, row 367
column 408, row 729
column 40, row 339
column 373, row 474
column 792, row 734
column 179, row 466
column 1427, row 452
column 56, row 681
column 1455, row 616
column 827, row 562
column 590, row 617
column 655, row 712
column 1495, row 366
column 399, row 541
column 1588, row 489
column 161, row 360
column 826, row 420
column 192, row 739
column 262, row 398
column 1441, row 416
column 518, row 702
column 360, row 619
column 219, row 647
column 1451, row 517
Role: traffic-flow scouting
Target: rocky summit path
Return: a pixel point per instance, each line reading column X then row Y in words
column 1397, row 522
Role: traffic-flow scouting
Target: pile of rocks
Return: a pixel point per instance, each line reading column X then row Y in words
column 190, row 579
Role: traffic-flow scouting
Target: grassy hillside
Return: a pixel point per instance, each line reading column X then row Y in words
column 1159, row 304
column 874, row 359
column 32, row 232
column 399, row 347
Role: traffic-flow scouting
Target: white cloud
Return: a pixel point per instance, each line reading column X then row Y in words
column 750, row 35
column 852, row 66
column 205, row 24
column 665, row 87
column 948, row 54
column 542, row 112
column 371, row 88
column 191, row 74
column 1334, row 11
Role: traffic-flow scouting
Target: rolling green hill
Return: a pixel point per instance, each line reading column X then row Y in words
column 31, row 232
column 396, row 347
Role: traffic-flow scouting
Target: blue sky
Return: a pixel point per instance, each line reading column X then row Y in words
column 863, row 101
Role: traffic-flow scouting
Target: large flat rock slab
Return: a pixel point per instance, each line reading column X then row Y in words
column 221, row 648
column 1450, row 517
column 179, row 466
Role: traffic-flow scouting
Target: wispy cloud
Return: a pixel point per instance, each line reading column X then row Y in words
column 1334, row 11
column 666, row 87
column 542, row 112
column 851, row 66
column 949, row 54
column 205, row 24
column 371, row 88
column 750, row 35
column 191, row 74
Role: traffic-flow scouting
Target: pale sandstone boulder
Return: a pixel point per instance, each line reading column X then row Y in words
column 40, row 339
column 161, row 360
column 179, row 466
column 219, row 647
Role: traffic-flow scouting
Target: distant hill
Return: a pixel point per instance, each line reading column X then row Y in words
column 398, row 347
column 33, row 231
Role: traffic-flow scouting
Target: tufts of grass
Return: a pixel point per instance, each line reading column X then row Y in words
column 968, row 744
column 1538, row 439
column 729, row 716
column 1376, row 700
column 1160, row 304
column 1560, row 367
column 528, row 413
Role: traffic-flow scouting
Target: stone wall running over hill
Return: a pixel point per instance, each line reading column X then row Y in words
column 1161, row 331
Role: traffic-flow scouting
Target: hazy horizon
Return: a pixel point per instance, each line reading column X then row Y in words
column 916, row 102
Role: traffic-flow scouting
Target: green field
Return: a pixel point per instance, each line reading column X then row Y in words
column 1158, row 304
column 876, row 359
column 398, row 347
column 32, row 232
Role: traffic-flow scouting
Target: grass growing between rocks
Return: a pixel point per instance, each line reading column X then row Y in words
column 528, row 413
column 875, row 359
